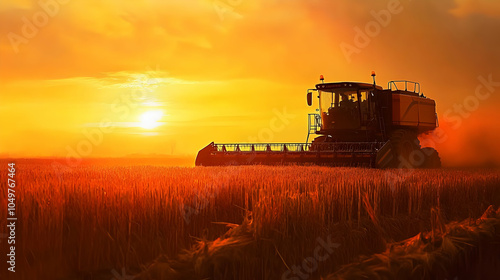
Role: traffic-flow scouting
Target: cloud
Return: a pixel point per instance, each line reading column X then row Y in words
column 91, row 52
column 477, row 7
column 190, row 41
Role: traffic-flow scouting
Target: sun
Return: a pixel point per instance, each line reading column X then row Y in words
column 149, row 119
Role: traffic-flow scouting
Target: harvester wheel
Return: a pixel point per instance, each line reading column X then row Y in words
column 432, row 159
column 406, row 151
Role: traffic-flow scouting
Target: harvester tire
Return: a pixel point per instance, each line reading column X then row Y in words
column 406, row 151
column 432, row 159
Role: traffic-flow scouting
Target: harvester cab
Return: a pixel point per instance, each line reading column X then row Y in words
column 345, row 106
column 359, row 124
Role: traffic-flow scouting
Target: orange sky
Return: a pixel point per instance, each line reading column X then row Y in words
column 224, row 70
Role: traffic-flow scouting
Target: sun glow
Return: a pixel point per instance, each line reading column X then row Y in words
column 149, row 119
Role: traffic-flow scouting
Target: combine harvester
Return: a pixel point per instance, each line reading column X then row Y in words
column 359, row 124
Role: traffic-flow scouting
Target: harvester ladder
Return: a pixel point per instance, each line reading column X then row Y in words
column 313, row 125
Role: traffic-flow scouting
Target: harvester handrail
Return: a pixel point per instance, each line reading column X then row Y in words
column 313, row 125
column 261, row 147
column 341, row 147
column 416, row 86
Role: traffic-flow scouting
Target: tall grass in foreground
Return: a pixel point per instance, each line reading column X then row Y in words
column 465, row 250
column 86, row 221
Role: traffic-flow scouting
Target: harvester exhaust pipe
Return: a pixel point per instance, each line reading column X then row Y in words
column 373, row 75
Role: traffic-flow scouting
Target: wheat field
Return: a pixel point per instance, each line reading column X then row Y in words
column 103, row 220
